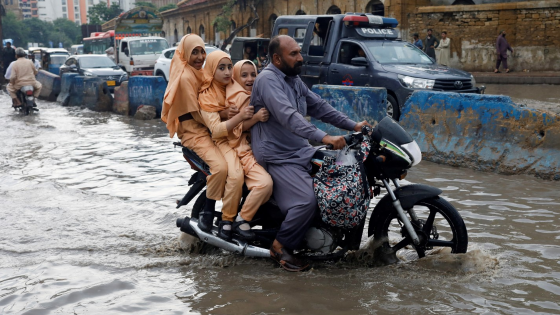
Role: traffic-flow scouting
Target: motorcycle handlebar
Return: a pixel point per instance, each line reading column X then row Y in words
column 348, row 138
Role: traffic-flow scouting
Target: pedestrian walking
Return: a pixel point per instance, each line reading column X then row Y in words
column 8, row 56
column 502, row 47
column 444, row 48
column 417, row 41
column 430, row 44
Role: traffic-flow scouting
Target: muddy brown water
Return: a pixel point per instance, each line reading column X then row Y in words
column 87, row 226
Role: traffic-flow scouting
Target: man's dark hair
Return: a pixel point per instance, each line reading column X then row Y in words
column 274, row 46
column 444, row 32
column 415, row 35
column 430, row 30
column 8, row 43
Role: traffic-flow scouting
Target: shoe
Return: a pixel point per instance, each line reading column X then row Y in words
column 205, row 219
column 507, row 71
column 224, row 234
column 288, row 261
column 247, row 235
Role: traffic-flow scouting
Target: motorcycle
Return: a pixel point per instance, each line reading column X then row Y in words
column 412, row 216
column 27, row 100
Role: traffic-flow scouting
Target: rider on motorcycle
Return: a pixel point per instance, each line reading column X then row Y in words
column 23, row 74
column 280, row 145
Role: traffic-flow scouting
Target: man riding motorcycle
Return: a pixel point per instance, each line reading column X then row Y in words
column 23, row 73
column 281, row 144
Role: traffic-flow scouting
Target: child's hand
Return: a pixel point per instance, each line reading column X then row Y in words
column 263, row 115
column 247, row 112
column 232, row 111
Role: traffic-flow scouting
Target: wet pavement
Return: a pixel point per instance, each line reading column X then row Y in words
column 539, row 96
column 88, row 227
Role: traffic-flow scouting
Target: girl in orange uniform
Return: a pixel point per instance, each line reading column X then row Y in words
column 212, row 99
column 181, row 113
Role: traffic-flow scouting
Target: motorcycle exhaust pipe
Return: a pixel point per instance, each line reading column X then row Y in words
column 235, row 246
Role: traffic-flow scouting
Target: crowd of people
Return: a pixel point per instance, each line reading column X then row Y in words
column 440, row 50
column 223, row 110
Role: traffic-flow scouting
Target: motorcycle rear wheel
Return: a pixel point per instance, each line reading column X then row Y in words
column 440, row 225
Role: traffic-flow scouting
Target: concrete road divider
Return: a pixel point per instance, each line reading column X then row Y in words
column 484, row 132
column 67, row 80
column 146, row 90
column 90, row 92
column 120, row 101
column 51, row 85
column 359, row 103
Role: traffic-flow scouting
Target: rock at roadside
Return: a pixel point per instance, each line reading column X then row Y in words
column 120, row 101
column 145, row 112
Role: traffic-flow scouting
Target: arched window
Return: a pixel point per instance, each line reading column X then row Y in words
column 217, row 38
column 252, row 29
column 189, row 30
column 271, row 21
column 376, row 7
column 300, row 12
column 334, row 10
column 176, row 34
column 201, row 32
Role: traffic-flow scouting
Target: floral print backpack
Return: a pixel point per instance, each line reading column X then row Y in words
column 342, row 191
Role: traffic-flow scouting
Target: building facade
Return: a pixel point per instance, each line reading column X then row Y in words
column 533, row 27
column 13, row 6
column 74, row 10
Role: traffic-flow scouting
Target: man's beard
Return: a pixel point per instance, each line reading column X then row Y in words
column 290, row 71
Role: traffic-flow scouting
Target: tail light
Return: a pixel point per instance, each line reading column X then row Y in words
column 29, row 93
column 131, row 62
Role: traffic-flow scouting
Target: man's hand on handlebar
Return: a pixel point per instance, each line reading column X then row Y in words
column 337, row 142
column 358, row 127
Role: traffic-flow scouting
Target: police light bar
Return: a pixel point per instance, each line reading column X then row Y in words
column 369, row 20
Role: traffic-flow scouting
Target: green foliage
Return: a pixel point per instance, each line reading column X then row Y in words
column 145, row 4
column 15, row 29
column 222, row 21
column 167, row 7
column 100, row 13
column 36, row 31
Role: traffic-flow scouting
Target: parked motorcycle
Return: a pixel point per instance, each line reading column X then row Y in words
column 413, row 216
column 27, row 100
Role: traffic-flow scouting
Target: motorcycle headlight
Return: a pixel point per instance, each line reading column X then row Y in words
column 88, row 74
column 473, row 81
column 416, row 83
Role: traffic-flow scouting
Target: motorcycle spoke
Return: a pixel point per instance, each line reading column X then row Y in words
column 441, row 243
column 429, row 222
column 400, row 245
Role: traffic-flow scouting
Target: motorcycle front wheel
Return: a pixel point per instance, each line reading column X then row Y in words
column 438, row 225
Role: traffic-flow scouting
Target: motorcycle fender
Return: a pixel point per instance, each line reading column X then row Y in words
column 411, row 194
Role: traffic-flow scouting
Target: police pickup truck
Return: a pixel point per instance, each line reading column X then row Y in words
column 356, row 49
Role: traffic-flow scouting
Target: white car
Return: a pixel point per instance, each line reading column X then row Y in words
column 163, row 63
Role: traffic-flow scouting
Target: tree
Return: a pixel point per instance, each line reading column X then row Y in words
column 145, row 4
column 68, row 28
column 39, row 31
column 100, row 13
column 167, row 7
column 15, row 29
column 223, row 23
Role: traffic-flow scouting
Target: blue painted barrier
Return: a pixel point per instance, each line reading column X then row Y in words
column 484, row 132
column 358, row 103
column 146, row 90
column 51, row 85
column 67, row 80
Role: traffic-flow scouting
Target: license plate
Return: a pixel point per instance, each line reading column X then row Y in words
column 111, row 83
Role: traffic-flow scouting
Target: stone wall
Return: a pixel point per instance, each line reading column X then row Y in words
column 533, row 31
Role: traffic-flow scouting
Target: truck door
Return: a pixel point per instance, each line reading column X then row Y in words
column 124, row 56
column 342, row 72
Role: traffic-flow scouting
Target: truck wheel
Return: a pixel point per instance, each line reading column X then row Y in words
column 393, row 109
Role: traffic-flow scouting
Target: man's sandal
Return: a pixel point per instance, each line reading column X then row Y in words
column 288, row 261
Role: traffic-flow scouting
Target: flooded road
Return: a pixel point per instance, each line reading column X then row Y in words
column 87, row 220
column 540, row 96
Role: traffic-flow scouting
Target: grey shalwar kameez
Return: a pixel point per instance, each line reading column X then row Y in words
column 431, row 41
column 280, row 145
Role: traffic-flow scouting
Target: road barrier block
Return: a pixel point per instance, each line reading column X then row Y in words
column 67, row 80
column 146, row 90
column 484, row 132
column 51, row 85
column 358, row 103
column 120, row 101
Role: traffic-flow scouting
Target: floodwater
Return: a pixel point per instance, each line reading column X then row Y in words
column 540, row 96
column 87, row 226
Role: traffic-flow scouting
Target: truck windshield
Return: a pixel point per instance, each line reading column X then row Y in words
column 397, row 53
column 148, row 46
